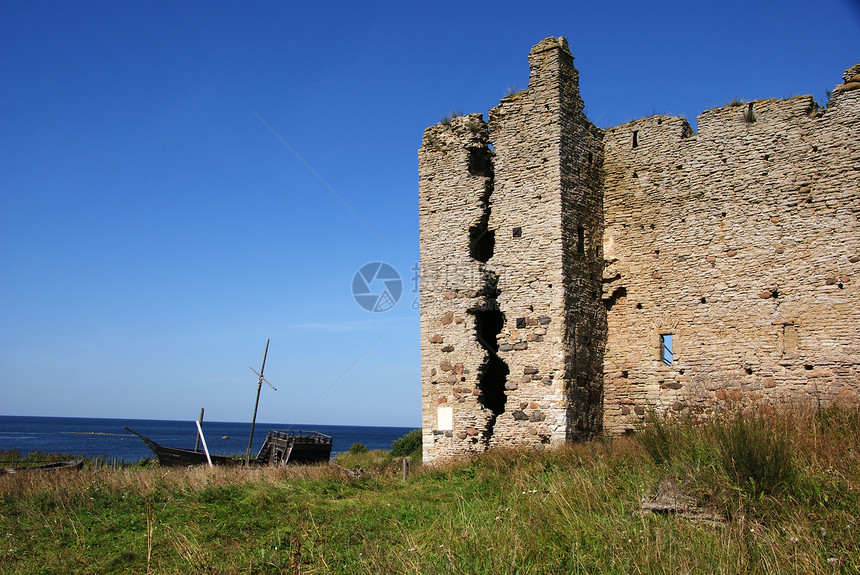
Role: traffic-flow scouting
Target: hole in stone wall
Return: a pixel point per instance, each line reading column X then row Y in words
column 808, row 367
column 518, row 232
column 617, row 294
column 493, row 373
column 703, row 300
column 666, row 353
column 481, row 243
column 480, row 162
column 482, row 240
column 590, row 158
column 749, row 114
column 635, row 138
column 521, row 323
column 580, row 240
column 748, row 370
column 638, row 306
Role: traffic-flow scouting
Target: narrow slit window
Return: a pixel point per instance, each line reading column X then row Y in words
column 666, row 353
column 580, row 240
column 635, row 138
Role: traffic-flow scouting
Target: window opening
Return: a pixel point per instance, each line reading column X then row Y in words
column 635, row 138
column 580, row 240
column 666, row 352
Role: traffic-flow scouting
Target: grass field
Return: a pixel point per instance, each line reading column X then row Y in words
column 787, row 486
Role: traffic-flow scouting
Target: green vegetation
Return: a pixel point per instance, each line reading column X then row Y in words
column 12, row 458
column 446, row 118
column 513, row 90
column 576, row 509
column 360, row 458
column 408, row 446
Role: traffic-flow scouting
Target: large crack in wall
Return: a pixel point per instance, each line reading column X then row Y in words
column 489, row 320
column 482, row 240
column 493, row 373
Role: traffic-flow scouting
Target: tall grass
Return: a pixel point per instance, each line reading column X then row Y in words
column 575, row 509
column 756, row 452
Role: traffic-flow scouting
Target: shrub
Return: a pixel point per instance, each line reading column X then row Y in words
column 357, row 448
column 408, row 445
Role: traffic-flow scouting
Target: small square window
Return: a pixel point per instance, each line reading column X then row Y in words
column 666, row 353
column 518, row 232
column 521, row 323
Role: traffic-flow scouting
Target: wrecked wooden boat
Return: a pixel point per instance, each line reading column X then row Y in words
column 178, row 457
column 53, row 466
column 282, row 447
column 279, row 448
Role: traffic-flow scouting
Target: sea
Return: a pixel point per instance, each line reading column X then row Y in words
column 98, row 437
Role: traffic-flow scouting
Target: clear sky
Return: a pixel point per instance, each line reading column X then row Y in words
column 180, row 181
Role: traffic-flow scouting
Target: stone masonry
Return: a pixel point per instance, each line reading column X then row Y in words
column 573, row 278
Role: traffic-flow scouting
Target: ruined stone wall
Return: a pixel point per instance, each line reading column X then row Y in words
column 455, row 171
column 743, row 243
column 527, row 215
column 555, row 255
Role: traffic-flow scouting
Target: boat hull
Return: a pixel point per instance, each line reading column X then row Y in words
column 279, row 448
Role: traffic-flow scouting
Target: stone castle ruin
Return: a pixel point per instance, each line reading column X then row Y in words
column 573, row 278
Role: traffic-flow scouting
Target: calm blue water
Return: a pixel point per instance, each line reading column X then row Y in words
column 97, row 437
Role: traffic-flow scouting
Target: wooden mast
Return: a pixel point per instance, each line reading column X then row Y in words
column 260, row 381
column 197, row 439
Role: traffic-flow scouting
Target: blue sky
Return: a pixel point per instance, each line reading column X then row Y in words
column 181, row 181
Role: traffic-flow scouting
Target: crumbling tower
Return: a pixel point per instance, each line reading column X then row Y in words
column 511, row 265
column 574, row 279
